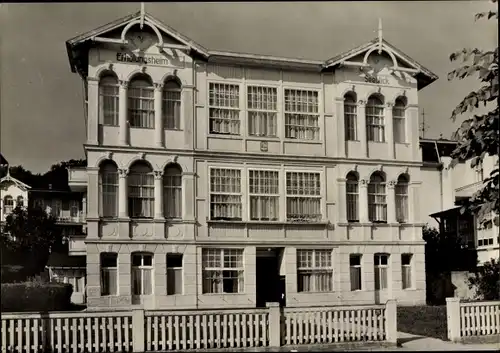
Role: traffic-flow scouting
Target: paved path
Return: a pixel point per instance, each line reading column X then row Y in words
column 421, row 343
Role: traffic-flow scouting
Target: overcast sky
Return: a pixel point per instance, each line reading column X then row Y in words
column 41, row 101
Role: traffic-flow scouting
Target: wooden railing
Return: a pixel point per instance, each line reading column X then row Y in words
column 467, row 319
column 150, row 331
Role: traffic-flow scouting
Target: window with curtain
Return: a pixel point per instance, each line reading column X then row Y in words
column 108, row 100
column 352, row 197
column 314, row 270
column 174, row 274
column 262, row 106
column 141, row 191
column 303, row 196
column 375, row 127
column 264, row 195
column 172, row 191
column 398, row 121
column 224, row 108
column 141, row 111
column 20, row 201
column 109, row 273
column 108, row 180
column 355, row 269
column 377, row 203
column 401, row 194
column 350, row 118
column 142, row 274
column 222, row 270
column 381, row 264
column 406, row 270
column 225, row 194
column 8, row 204
column 301, row 114
column 171, row 105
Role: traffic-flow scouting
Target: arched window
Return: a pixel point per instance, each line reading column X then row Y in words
column 172, row 105
column 108, row 182
column 350, row 117
column 20, row 201
column 8, row 204
column 141, row 111
column 398, row 121
column 401, row 191
column 352, row 197
column 375, row 119
column 172, row 191
column 377, row 203
column 141, row 191
column 108, row 100
column 142, row 274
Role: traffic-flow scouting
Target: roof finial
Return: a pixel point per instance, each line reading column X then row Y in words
column 379, row 35
column 142, row 14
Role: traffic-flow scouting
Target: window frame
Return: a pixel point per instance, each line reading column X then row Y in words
column 319, row 197
column 175, row 268
column 113, row 213
column 170, row 189
column 357, row 267
column 165, row 99
column 315, row 270
column 10, row 207
column 211, row 193
column 113, row 118
column 145, row 104
column 276, row 196
column 267, row 112
column 143, row 190
column 233, row 123
column 108, row 269
column 377, row 265
column 353, row 196
column 219, row 270
column 401, row 195
column 142, row 268
column 316, row 129
column 350, row 118
column 409, row 268
column 375, row 123
column 399, row 121
column 375, row 206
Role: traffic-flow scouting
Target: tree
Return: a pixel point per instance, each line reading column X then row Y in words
column 486, row 281
column 478, row 136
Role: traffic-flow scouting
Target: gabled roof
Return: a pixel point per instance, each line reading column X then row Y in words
column 19, row 183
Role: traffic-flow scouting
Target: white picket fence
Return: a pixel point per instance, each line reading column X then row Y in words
column 150, row 331
column 467, row 319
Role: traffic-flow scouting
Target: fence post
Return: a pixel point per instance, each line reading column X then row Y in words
column 453, row 318
column 138, row 330
column 274, row 324
column 391, row 321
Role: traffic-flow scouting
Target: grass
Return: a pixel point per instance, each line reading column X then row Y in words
column 425, row 320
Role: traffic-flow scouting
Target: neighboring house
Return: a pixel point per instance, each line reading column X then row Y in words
column 220, row 179
column 13, row 193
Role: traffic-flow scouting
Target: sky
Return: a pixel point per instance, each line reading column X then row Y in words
column 41, row 101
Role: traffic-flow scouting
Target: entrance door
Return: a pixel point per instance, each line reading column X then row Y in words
column 268, row 282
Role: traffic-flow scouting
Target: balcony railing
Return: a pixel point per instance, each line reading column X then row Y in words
column 67, row 217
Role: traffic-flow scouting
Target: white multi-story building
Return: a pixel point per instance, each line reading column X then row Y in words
column 219, row 179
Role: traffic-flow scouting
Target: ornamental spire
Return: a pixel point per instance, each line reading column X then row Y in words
column 379, row 35
column 142, row 14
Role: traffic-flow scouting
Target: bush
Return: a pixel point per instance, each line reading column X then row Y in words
column 35, row 296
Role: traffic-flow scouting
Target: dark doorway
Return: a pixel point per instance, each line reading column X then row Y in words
column 269, row 283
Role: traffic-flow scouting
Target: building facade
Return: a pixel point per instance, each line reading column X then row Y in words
column 220, row 179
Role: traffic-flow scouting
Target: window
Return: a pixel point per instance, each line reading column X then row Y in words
column 171, row 105
column 375, row 120
column 406, row 270
column 264, row 195
column 303, row 196
column 301, row 114
column 8, row 204
column 172, row 191
column 20, row 201
column 224, row 108
column 222, row 270
column 74, row 208
column 108, row 100
column 262, row 110
column 174, row 274
column 57, row 208
column 109, row 273
column 401, row 191
column 141, row 111
column 381, row 265
column 225, row 194
column 350, row 118
column 142, row 274
column 398, row 121
column 355, row 269
column 141, row 191
column 108, row 180
column 74, row 277
column 352, row 197
column 377, row 205
column 314, row 270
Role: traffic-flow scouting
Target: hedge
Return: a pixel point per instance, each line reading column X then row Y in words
column 35, row 296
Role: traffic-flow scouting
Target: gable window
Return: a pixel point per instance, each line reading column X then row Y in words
column 401, row 193
column 174, row 274
column 355, row 269
column 398, row 121
column 225, row 194
column 8, row 204
column 301, row 114
column 264, row 195
column 172, row 105
column 406, row 270
column 224, row 108
column 262, row 110
column 141, row 191
column 381, row 263
column 352, row 197
column 375, row 128
column 108, row 100
column 314, row 270
column 377, row 203
column 141, row 111
column 109, row 273
column 350, row 118
column 303, row 196
column 172, row 191
column 222, row 270
column 108, row 180
column 142, row 274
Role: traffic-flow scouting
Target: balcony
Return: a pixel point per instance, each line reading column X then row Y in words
column 68, row 217
column 76, row 245
column 77, row 179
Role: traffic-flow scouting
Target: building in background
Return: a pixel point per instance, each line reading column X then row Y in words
column 13, row 193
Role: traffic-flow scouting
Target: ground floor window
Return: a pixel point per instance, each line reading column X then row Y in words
column 355, row 271
column 142, row 274
column 174, row 274
column 381, row 262
column 406, row 270
column 314, row 270
column 109, row 274
column 222, row 270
